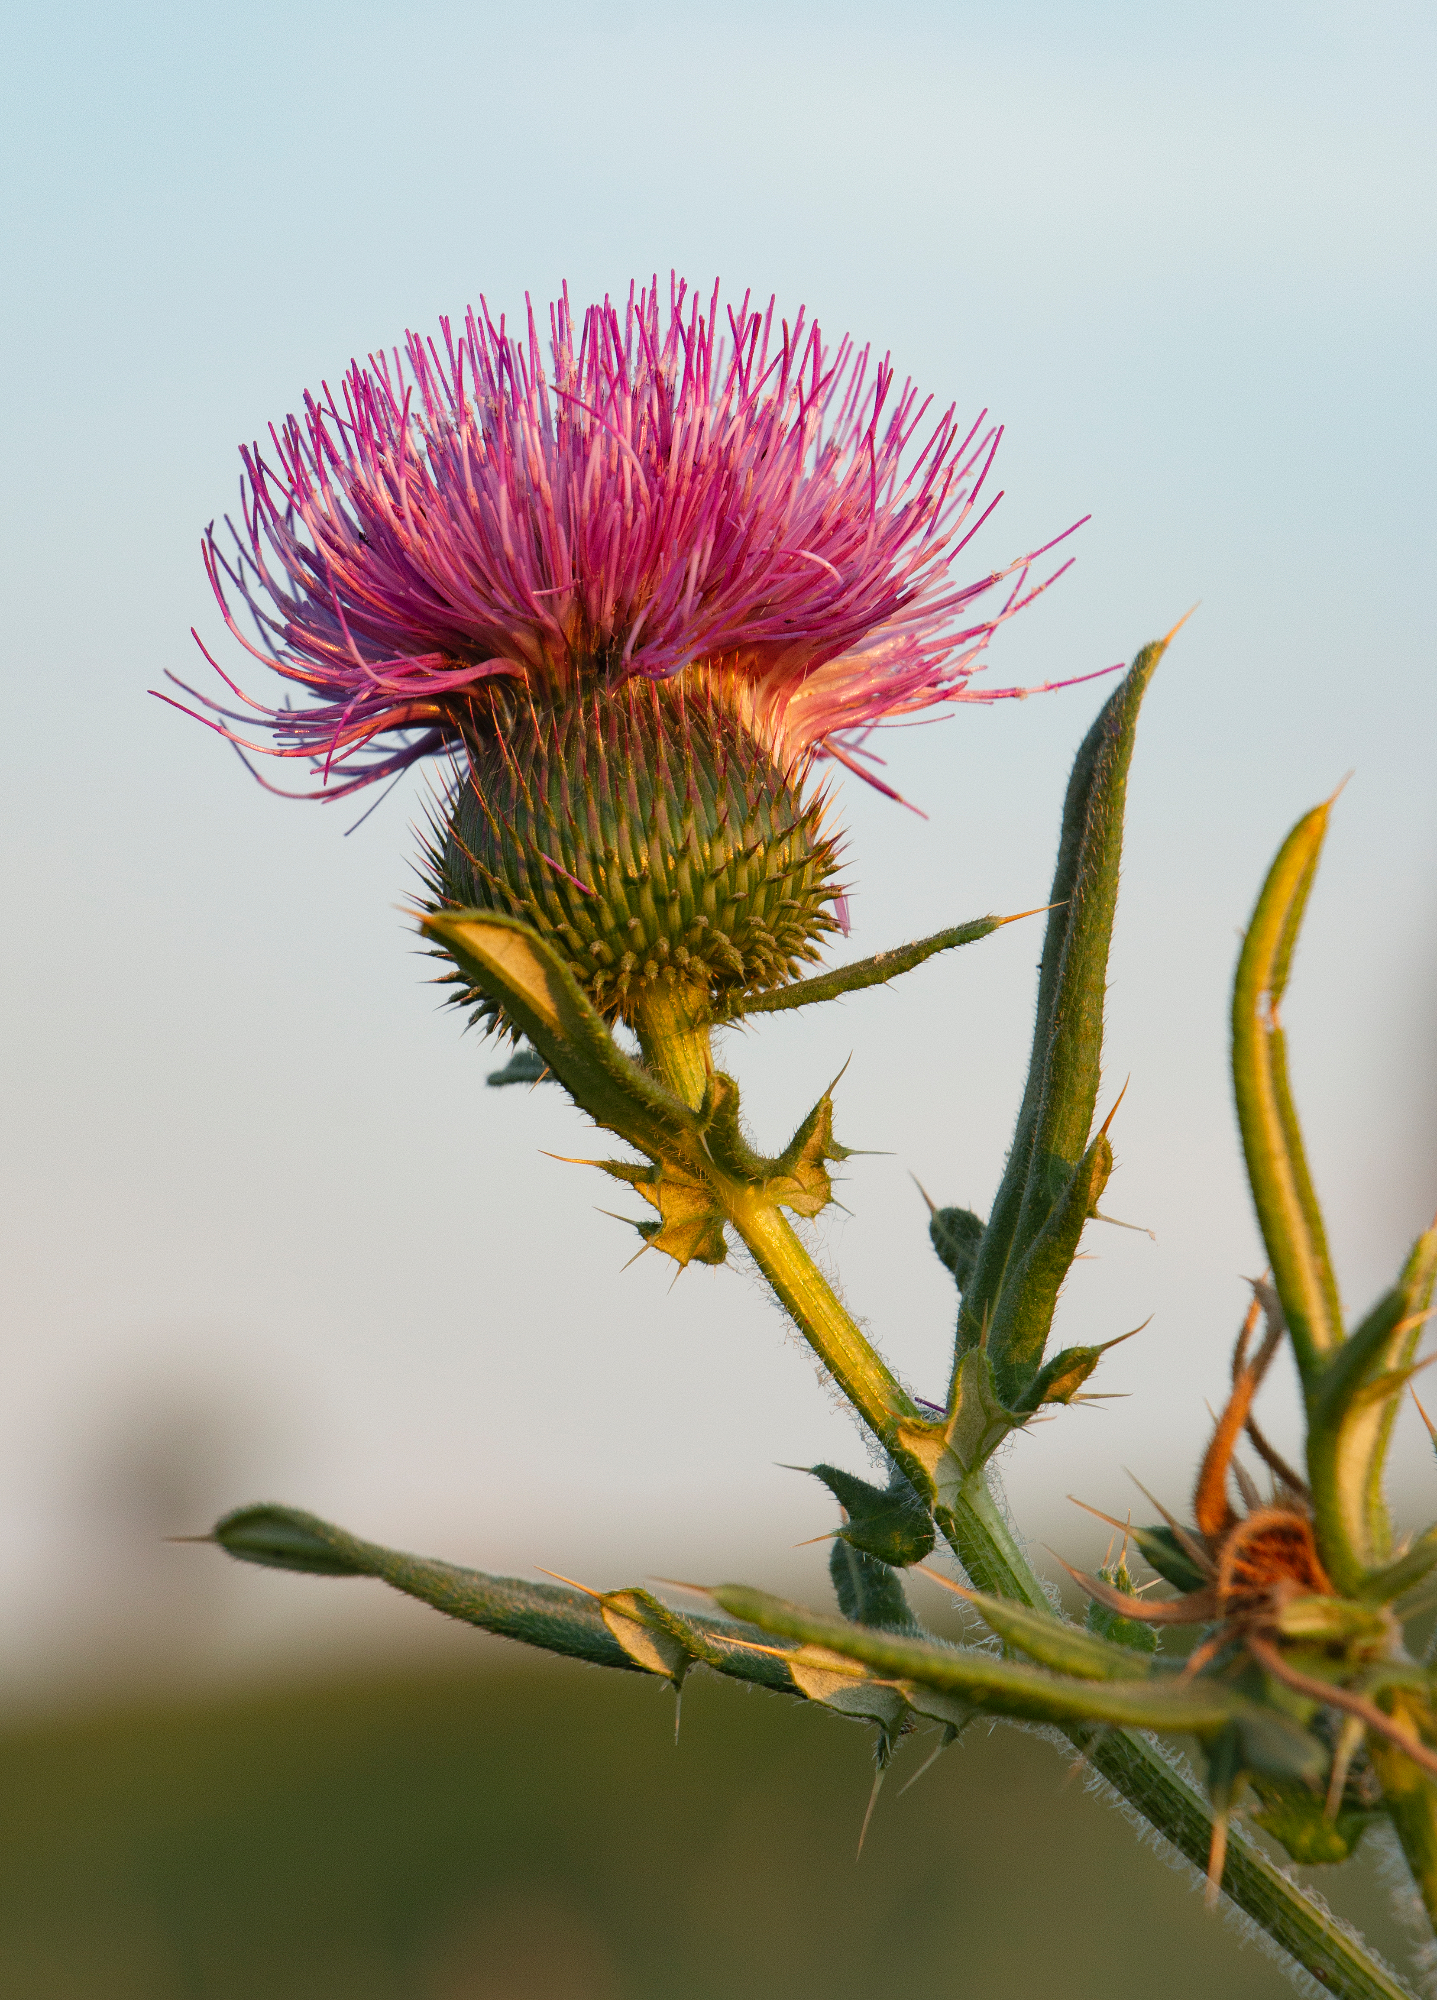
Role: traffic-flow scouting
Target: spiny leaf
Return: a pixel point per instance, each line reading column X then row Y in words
column 889, row 1522
column 1062, row 1087
column 955, row 1234
column 876, row 971
column 868, row 1590
column 1002, row 1687
column 1019, row 1330
column 556, row 1617
column 523, row 974
column 1130, row 1634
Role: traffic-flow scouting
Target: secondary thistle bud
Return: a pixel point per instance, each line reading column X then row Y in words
column 647, row 833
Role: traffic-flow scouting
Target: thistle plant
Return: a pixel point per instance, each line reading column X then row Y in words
column 636, row 603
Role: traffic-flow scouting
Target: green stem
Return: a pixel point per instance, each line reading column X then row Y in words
column 979, row 1536
column 1134, row 1767
column 1411, row 1799
column 673, row 1027
column 850, row 1358
column 974, row 1528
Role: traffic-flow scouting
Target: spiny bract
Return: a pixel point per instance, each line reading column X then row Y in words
column 647, row 833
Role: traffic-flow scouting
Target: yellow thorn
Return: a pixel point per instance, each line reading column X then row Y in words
column 1115, row 1222
column 946, row 1582
column 1098, row 1513
column 1114, row 1112
column 932, row 1205
column 1217, row 1855
column 572, row 1581
column 872, row 1801
column 1180, row 624
column 1041, row 911
column 926, row 1765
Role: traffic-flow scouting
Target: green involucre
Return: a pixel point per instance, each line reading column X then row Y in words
column 647, row 835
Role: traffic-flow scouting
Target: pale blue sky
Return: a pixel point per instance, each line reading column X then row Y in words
column 1187, row 258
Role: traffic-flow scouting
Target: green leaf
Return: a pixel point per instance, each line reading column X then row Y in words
column 1352, row 1403
column 1069, row 1649
column 868, row 1591
column 998, row 1686
column 1282, row 1191
column 1018, row 1332
column 1062, row 1088
column 1131, row 1634
column 955, row 1234
column 889, row 1522
column 549, row 1615
column 876, row 971
column 1398, row 1578
column 1165, row 1553
column 514, row 966
column 524, row 1066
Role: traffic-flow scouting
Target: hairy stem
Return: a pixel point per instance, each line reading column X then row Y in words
column 672, row 1024
column 805, row 1294
column 1411, row 1799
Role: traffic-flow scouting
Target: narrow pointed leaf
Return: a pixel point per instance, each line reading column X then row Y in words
column 876, row 971
column 1068, row 1649
column 1353, row 1404
column 889, row 1522
column 549, row 1615
column 1062, row 1088
column 998, row 1686
column 1282, row 1191
column 513, row 965
column 1019, row 1330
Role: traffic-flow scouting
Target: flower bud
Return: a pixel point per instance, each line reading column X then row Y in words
column 647, row 833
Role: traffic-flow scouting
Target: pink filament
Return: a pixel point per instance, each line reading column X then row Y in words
column 760, row 509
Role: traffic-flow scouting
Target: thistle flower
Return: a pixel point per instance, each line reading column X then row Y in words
column 733, row 556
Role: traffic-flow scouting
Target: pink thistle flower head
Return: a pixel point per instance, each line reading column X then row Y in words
column 676, row 494
column 634, row 594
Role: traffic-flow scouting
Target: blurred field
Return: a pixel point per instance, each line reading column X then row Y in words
column 530, row 1832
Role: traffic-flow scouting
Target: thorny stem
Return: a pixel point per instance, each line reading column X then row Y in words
column 674, row 1034
column 1132, row 1764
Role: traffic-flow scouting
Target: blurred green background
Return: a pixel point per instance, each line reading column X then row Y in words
column 522, row 1830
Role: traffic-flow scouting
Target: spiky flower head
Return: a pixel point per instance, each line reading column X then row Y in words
column 732, row 554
